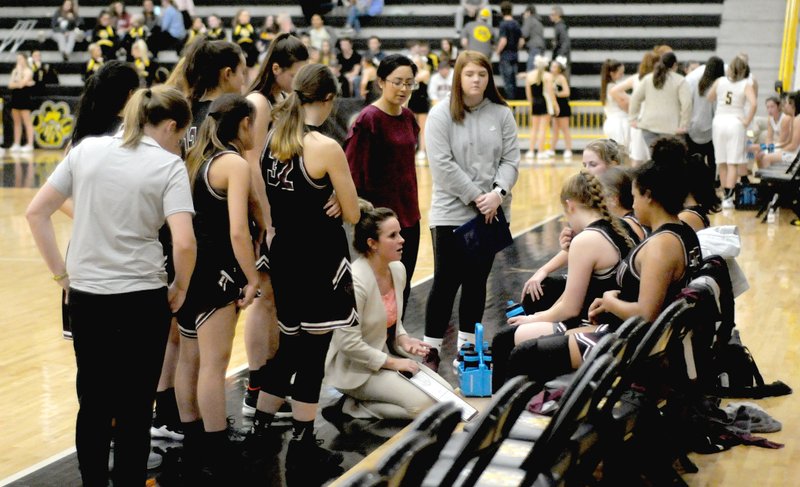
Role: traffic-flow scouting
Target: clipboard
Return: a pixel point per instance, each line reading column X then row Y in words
column 440, row 393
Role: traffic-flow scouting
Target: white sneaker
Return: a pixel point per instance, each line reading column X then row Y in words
column 165, row 432
column 530, row 155
column 15, row 148
column 27, row 148
column 728, row 203
column 548, row 154
column 567, row 154
column 421, row 155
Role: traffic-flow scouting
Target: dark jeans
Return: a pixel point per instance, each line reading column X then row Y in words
column 411, row 235
column 508, row 70
column 452, row 269
column 119, row 342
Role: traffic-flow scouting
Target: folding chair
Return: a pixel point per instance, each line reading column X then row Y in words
column 365, row 478
column 551, row 455
column 397, row 468
column 477, row 445
column 438, row 421
column 779, row 185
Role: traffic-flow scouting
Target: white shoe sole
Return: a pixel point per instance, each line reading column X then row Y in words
column 250, row 411
column 163, row 433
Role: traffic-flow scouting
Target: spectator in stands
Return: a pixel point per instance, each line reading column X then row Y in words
column 120, row 18
column 419, row 103
column 469, row 9
column 448, row 48
column 320, row 32
column 138, row 31
column 363, row 360
column 321, row 7
column 564, row 112
column 368, row 88
column 198, row 28
column 151, row 20
column 244, row 34
column 533, row 34
column 43, row 73
column 214, row 30
column 508, row 49
column 285, row 24
column 540, row 93
column 562, row 46
column 105, row 36
column 665, row 100
column 21, row 84
column 95, row 61
column 431, row 58
column 145, row 67
column 374, row 49
column 349, row 63
column 473, row 170
column 124, row 277
column 380, row 148
column 730, row 124
column 171, row 32
column 441, row 81
column 638, row 150
column 327, row 55
column 359, row 9
column 186, row 8
column 66, row 25
column 616, row 124
column 698, row 137
column 478, row 35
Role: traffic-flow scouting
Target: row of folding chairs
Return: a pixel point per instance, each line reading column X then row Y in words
column 780, row 186
column 625, row 396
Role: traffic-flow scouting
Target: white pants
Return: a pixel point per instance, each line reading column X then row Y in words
column 616, row 127
column 638, row 150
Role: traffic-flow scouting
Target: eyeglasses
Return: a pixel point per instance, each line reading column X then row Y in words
column 400, row 84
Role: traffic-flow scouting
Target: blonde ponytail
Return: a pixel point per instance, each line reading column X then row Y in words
column 587, row 190
column 288, row 122
column 152, row 106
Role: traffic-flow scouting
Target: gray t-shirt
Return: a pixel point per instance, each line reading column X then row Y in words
column 121, row 198
column 480, row 37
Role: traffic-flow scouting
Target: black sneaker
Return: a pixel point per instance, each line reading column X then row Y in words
column 262, row 444
column 309, row 451
column 432, row 360
column 334, row 413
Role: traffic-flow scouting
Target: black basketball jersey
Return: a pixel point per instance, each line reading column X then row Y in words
column 701, row 213
column 629, row 279
column 199, row 114
column 296, row 199
column 211, row 219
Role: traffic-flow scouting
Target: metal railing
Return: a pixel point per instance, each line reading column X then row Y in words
column 586, row 121
column 789, row 44
column 17, row 36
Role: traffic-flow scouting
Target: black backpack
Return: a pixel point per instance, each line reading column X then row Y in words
column 738, row 374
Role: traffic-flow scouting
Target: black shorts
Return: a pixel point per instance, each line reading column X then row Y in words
column 212, row 287
column 262, row 258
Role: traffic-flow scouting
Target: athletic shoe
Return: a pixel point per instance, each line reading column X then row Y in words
column 165, row 431
column 15, row 148
column 432, row 360
column 27, row 148
column 309, row 451
column 262, row 444
column 421, row 156
column 334, row 413
column 249, row 401
column 530, row 156
column 728, row 203
column 567, row 154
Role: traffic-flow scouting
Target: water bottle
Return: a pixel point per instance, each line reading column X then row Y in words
column 514, row 309
column 771, row 148
column 750, row 155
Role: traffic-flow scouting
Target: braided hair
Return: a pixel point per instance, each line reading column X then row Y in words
column 587, row 190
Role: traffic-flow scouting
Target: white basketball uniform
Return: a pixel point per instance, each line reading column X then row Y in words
column 616, row 125
column 727, row 129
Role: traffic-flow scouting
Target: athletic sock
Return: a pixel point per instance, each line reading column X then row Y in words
column 261, row 421
column 252, row 380
column 464, row 337
column 303, row 430
column 167, row 407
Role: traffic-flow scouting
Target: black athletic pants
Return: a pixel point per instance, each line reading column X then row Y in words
column 411, row 235
column 119, row 342
column 452, row 269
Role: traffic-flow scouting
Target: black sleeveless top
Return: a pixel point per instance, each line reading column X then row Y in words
column 632, row 217
column 629, row 280
column 296, row 199
column 211, row 219
column 701, row 213
column 605, row 280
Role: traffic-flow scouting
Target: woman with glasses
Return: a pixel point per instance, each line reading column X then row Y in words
column 474, row 160
column 380, row 149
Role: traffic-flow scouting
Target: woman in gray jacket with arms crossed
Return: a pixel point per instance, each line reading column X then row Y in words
column 474, row 160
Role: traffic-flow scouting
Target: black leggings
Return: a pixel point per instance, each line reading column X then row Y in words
column 411, row 235
column 453, row 269
column 119, row 342
column 303, row 355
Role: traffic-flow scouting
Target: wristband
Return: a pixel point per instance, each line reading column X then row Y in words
column 58, row 277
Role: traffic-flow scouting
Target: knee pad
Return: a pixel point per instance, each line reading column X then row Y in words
column 502, row 345
column 276, row 374
column 541, row 359
column 311, row 367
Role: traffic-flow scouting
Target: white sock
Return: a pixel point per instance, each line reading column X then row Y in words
column 433, row 342
column 464, row 337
